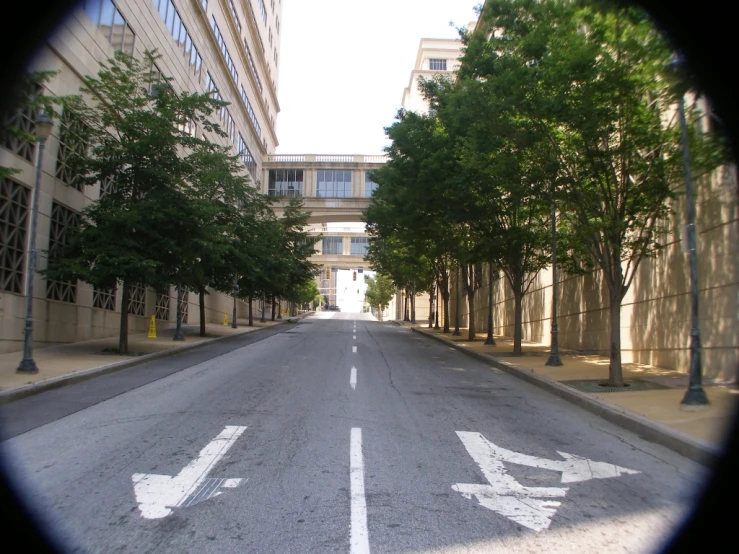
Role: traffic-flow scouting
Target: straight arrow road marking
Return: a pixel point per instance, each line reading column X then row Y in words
column 157, row 495
column 359, row 536
column 527, row 506
column 353, row 378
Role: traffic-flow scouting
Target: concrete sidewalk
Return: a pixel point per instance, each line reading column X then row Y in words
column 68, row 363
column 655, row 414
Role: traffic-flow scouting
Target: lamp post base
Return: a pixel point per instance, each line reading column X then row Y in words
column 27, row 366
column 694, row 399
column 554, row 360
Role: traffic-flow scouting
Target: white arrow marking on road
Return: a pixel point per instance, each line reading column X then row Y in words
column 359, row 536
column 158, row 494
column 354, row 349
column 353, row 378
column 526, row 505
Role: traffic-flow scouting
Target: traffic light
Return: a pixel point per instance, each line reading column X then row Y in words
column 354, row 276
column 328, row 273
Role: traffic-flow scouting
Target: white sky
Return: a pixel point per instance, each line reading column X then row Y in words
column 344, row 65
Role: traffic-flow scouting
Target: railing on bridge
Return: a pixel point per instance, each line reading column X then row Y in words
column 335, row 158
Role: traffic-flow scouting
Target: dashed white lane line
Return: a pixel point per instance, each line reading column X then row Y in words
column 354, row 337
column 353, row 378
column 359, row 537
column 354, row 349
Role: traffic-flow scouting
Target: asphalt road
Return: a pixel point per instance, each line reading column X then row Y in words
column 331, row 436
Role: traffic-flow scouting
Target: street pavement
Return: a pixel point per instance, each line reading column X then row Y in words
column 336, row 434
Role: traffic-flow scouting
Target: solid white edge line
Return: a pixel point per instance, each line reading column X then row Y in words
column 359, row 536
column 353, row 378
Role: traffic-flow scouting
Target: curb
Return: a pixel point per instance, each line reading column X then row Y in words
column 695, row 449
column 11, row 395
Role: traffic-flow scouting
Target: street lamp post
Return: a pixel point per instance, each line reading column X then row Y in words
column 554, row 359
column 490, row 341
column 456, row 332
column 261, row 319
column 436, row 306
column 695, row 396
column 42, row 130
column 236, row 294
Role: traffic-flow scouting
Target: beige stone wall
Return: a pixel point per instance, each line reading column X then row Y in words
column 75, row 50
column 655, row 313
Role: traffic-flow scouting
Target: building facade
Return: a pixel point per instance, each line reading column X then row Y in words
column 231, row 47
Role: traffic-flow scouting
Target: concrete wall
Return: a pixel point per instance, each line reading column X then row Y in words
column 655, row 313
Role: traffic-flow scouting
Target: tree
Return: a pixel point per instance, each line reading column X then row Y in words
column 379, row 292
column 593, row 80
column 138, row 129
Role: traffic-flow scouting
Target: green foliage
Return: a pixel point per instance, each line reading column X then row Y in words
column 380, row 290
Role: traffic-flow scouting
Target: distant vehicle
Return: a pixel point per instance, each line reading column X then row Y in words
column 334, row 309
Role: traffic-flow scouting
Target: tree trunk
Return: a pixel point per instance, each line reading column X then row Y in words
column 123, row 333
column 615, row 371
column 273, row 308
column 201, row 292
column 413, row 304
column 518, row 320
column 467, row 276
column 431, row 308
column 445, row 297
column 251, row 316
column 406, row 302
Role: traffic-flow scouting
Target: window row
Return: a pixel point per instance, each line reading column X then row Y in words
column 334, row 183
column 359, row 246
column 285, row 182
column 247, row 158
column 224, row 51
column 263, row 11
column 110, row 21
column 252, row 114
column 332, row 246
column 179, row 32
column 437, row 64
column 235, row 16
column 253, row 66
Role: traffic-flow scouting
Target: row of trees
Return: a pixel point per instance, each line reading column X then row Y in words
column 560, row 108
column 176, row 207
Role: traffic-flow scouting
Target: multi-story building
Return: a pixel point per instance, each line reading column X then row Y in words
column 231, row 47
column 435, row 56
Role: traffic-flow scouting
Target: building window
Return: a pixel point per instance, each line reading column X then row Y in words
column 230, row 126
column 252, row 114
column 204, row 3
column 369, row 185
column 235, row 16
column 111, row 23
column 263, row 11
column 437, row 65
column 285, row 182
column 162, row 309
column 270, row 37
column 359, row 246
column 137, row 299
column 334, row 183
column 17, row 130
column 332, row 246
column 62, row 220
column 106, row 187
column 71, row 145
column 14, row 199
column 184, row 303
column 247, row 158
column 224, row 51
column 253, row 66
column 277, row 24
column 179, row 32
column 103, row 299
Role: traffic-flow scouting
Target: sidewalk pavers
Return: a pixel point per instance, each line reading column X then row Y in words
column 654, row 412
column 67, row 363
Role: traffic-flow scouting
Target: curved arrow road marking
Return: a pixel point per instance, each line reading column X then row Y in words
column 526, row 505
